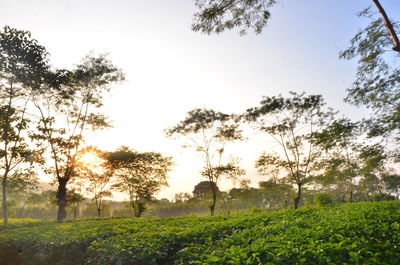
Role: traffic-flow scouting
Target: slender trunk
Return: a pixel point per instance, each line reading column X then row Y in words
column 212, row 206
column 75, row 213
column 389, row 26
column 351, row 194
column 98, row 207
column 214, row 198
column 298, row 197
column 4, row 202
column 62, row 199
column 138, row 208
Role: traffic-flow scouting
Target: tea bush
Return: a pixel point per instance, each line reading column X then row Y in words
column 362, row 233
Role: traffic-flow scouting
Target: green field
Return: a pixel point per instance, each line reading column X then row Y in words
column 363, row 233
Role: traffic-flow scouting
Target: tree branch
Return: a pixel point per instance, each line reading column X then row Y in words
column 389, row 26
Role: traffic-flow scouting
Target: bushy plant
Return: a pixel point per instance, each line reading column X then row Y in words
column 379, row 197
column 324, row 199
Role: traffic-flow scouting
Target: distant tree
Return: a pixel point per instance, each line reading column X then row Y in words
column 67, row 111
column 276, row 193
column 372, row 169
column 74, row 199
column 204, row 187
column 182, row 196
column 141, row 175
column 292, row 122
column 23, row 66
column 341, row 146
column 392, row 184
column 208, row 132
column 95, row 170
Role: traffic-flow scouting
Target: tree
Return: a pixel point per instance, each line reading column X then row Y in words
column 204, row 187
column 276, row 192
column 96, row 171
column 23, row 65
column 392, row 184
column 74, row 199
column 141, row 175
column 292, row 122
column 216, row 16
column 377, row 80
column 67, row 110
column 182, row 196
column 208, row 132
column 372, row 159
column 340, row 165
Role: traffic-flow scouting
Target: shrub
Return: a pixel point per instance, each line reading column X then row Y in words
column 324, row 199
column 379, row 197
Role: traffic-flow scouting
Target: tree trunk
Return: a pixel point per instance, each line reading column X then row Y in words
column 138, row 208
column 389, row 26
column 62, row 199
column 351, row 195
column 296, row 199
column 214, row 198
column 214, row 202
column 75, row 213
column 4, row 202
column 98, row 207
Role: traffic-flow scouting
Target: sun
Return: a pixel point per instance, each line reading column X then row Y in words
column 90, row 158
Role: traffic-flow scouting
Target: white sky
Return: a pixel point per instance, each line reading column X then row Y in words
column 171, row 70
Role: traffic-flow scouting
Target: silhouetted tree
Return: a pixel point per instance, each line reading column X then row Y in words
column 67, row 110
column 204, row 187
column 208, row 131
column 292, row 122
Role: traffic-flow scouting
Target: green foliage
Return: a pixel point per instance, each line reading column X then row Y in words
column 23, row 66
column 377, row 80
column 204, row 187
column 324, row 199
column 209, row 131
column 364, row 233
column 379, row 197
column 141, row 175
column 293, row 123
column 216, row 16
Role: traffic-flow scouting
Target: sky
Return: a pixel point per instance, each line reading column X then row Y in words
column 170, row 69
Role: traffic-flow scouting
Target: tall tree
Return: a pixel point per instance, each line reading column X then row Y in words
column 292, row 122
column 141, row 175
column 69, row 109
column 372, row 159
column 23, row 66
column 208, row 132
column 340, row 164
